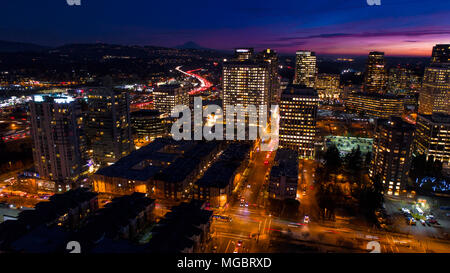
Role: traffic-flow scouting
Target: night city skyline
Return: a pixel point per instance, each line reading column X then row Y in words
column 216, row 135
column 399, row 28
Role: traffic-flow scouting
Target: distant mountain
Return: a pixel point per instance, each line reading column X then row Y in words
column 12, row 47
column 191, row 45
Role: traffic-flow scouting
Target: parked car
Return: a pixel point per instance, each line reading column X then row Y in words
column 411, row 221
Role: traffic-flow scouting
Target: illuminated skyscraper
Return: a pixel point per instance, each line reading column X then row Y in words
column 375, row 75
column 392, row 150
column 305, row 68
column 246, row 83
column 298, row 114
column 108, row 124
column 59, row 149
column 434, row 96
column 435, row 93
column 271, row 57
column 433, row 137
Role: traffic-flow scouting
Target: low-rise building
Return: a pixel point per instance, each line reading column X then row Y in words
column 63, row 211
column 165, row 168
column 283, row 178
column 218, row 182
column 376, row 105
column 183, row 230
column 176, row 181
column 124, row 218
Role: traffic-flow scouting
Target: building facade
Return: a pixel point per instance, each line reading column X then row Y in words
column 328, row 86
column 167, row 96
column 59, row 142
column 375, row 105
column 147, row 125
column 298, row 115
column 441, row 54
column 283, row 178
column 375, row 74
column 246, row 83
column 218, row 182
column 271, row 57
column 433, row 138
column 392, row 151
column 242, row 54
column 402, row 81
column 108, row 124
column 434, row 96
column 305, row 68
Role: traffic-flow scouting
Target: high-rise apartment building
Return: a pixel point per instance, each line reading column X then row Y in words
column 59, row 149
column 271, row 57
column 375, row 74
column 305, row 68
column 433, row 138
column 298, row 114
column 108, row 124
column 434, row 97
column 392, row 150
column 246, row 83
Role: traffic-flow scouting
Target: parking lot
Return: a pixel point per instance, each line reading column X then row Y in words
column 429, row 221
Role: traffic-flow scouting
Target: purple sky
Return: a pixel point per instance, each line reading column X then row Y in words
column 397, row 27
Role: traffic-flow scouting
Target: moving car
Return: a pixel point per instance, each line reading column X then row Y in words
column 306, row 219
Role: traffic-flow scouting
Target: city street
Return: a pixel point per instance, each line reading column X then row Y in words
column 250, row 223
column 252, row 229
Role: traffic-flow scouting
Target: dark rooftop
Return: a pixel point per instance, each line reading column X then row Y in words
column 137, row 165
column 377, row 95
column 396, row 123
column 221, row 171
column 299, row 90
column 173, row 233
column 285, row 164
column 107, row 222
column 183, row 166
column 437, row 118
column 145, row 113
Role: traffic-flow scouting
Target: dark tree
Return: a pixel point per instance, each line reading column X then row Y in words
column 332, row 159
